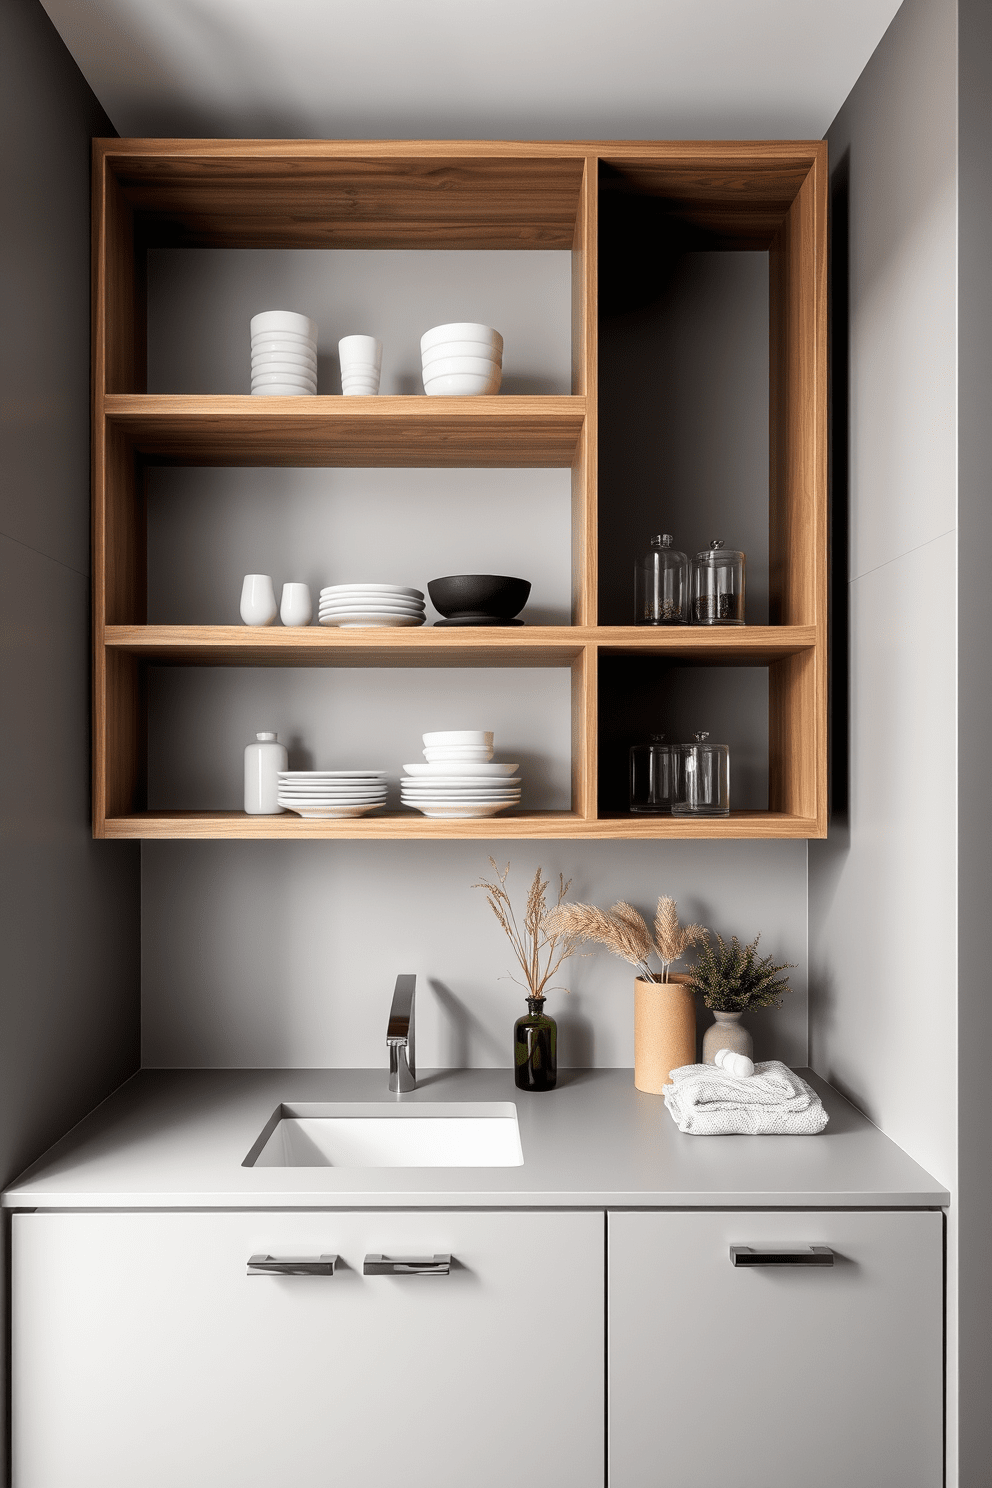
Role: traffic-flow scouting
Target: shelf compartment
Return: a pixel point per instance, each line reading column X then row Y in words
column 539, row 826
column 401, row 432
column 750, row 645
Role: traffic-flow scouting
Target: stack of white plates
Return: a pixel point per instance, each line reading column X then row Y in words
column 323, row 793
column 283, row 355
column 460, row 779
column 461, row 360
column 354, row 605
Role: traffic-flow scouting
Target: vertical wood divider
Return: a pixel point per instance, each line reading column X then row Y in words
column 585, row 566
column 797, row 507
column 584, row 733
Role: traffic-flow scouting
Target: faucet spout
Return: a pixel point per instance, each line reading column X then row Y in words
column 399, row 1037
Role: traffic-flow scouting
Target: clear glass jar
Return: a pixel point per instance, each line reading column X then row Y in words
column 654, row 770
column 704, row 779
column 661, row 585
column 718, row 586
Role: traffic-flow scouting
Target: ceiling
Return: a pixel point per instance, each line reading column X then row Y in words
column 448, row 69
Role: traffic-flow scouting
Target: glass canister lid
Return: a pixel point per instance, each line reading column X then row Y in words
column 717, row 555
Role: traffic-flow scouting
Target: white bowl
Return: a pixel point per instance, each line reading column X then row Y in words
column 283, row 379
column 460, row 768
column 478, row 756
column 447, row 737
column 283, row 341
column 462, row 385
column 281, row 390
column 461, row 330
column 293, row 358
column 284, row 320
column 461, row 349
column 360, row 369
column 282, row 374
column 455, row 366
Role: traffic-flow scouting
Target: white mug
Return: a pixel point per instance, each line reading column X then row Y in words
column 361, row 364
column 258, row 600
column 295, row 607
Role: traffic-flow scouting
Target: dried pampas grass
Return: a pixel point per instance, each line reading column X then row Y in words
column 539, row 949
column 624, row 931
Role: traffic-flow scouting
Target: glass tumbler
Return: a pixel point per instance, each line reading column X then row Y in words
column 661, row 583
column 718, row 586
column 704, row 783
column 654, row 770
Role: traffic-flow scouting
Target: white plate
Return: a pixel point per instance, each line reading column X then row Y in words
column 372, row 604
column 328, row 813
column 383, row 589
column 455, row 812
column 360, row 621
column 441, row 797
column 456, row 768
column 333, row 774
column 470, row 787
column 293, row 801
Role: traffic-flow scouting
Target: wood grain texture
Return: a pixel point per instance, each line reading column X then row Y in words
column 313, row 194
column 795, row 737
column 539, row 826
column 401, row 432
column 585, row 676
column 530, row 645
column 585, row 360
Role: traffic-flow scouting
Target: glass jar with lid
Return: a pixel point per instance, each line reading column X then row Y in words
column 718, row 586
column 703, row 779
column 654, row 772
column 661, row 584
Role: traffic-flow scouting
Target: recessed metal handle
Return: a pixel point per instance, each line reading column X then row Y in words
column 266, row 1265
column 380, row 1265
column 796, row 1255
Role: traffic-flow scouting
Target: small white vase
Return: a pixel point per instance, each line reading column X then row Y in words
column 296, row 607
column 263, row 761
column 726, row 1032
column 258, row 600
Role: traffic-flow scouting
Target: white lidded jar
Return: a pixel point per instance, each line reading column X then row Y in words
column 263, row 761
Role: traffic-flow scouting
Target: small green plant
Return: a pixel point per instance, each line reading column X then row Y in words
column 733, row 978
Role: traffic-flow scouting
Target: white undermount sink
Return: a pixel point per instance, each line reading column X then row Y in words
column 428, row 1135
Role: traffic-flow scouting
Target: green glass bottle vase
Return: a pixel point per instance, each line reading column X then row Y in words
column 535, row 1048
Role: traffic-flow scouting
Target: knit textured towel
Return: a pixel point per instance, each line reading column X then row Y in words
column 774, row 1101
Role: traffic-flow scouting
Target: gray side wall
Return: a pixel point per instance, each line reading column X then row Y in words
column 883, row 887
column 69, row 907
column 975, row 732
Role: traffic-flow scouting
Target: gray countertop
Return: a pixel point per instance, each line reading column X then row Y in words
column 179, row 1138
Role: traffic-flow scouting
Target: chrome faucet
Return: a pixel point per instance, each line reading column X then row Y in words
column 399, row 1037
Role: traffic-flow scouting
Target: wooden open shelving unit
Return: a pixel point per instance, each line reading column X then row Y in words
column 767, row 195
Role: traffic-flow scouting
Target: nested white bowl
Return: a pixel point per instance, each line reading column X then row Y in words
column 446, row 349
column 446, row 738
column 479, row 756
column 454, row 366
column 459, row 769
column 461, row 385
column 295, row 345
column 461, row 330
column 259, row 385
column 371, row 589
column 284, row 320
column 282, row 390
column 360, row 389
column 287, row 370
column 280, row 354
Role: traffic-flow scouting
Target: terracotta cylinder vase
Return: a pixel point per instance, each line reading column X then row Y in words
column 664, row 1031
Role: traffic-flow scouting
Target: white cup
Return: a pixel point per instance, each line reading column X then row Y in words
column 361, row 357
column 258, row 600
column 295, row 608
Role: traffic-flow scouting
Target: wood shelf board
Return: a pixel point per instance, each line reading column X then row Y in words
column 348, row 194
column 750, row 645
column 526, row 645
column 412, row 826
column 315, row 645
column 399, row 432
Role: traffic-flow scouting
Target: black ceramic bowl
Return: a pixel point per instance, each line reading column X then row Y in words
column 468, row 599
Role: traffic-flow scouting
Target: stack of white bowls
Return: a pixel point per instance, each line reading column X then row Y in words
column 318, row 794
column 461, row 360
column 355, row 605
column 283, row 355
column 361, row 365
column 459, row 778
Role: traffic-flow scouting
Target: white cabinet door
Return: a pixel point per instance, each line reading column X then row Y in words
column 145, row 1357
column 775, row 1376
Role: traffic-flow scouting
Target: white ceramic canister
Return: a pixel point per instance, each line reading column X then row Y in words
column 263, row 761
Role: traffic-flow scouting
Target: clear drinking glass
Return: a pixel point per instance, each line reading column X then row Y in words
column 654, row 771
column 704, row 779
column 718, row 586
column 661, row 582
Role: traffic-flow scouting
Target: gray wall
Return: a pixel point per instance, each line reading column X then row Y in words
column 975, row 732
column 883, row 887
column 69, row 907
column 283, row 954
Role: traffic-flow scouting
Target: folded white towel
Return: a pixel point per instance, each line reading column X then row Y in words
column 774, row 1101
